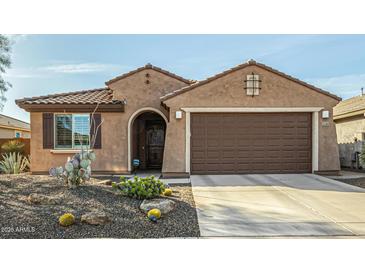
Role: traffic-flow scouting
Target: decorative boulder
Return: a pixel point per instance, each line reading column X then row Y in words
column 41, row 199
column 95, row 218
column 164, row 205
column 106, row 182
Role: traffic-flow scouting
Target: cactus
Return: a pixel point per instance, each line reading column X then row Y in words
column 91, row 156
column 66, row 219
column 14, row 163
column 167, row 192
column 76, row 171
column 155, row 212
column 69, row 167
column 75, row 162
column 84, row 163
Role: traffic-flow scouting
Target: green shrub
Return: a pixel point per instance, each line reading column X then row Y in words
column 13, row 146
column 140, row 188
column 14, row 163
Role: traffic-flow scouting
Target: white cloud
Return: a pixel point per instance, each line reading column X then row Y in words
column 23, row 73
column 80, row 68
column 345, row 86
column 52, row 70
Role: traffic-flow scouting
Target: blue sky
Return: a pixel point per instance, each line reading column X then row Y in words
column 45, row 64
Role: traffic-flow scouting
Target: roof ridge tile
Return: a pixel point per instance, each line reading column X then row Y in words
column 149, row 66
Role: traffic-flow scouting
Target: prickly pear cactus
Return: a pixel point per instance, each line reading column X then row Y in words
column 76, row 171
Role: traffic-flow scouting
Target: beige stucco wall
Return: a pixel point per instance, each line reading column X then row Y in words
column 108, row 158
column 350, row 128
column 228, row 91
column 6, row 133
column 113, row 157
column 25, row 134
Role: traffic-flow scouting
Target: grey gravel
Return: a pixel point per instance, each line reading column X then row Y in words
column 360, row 182
column 21, row 219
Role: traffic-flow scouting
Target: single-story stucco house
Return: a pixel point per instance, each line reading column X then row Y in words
column 248, row 119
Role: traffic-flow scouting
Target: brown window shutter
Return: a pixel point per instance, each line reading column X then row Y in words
column 48, row 130
column 97, row 119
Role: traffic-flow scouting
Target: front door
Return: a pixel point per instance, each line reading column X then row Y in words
column 155, row 140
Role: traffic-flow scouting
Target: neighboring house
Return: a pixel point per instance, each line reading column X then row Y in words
column 13, row 128
column 248, row 119
column 349, row 116
column 350, row 120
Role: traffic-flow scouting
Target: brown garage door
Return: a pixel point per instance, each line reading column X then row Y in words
column 251, row 143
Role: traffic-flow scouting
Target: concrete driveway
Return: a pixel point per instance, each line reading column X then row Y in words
column 277, row 205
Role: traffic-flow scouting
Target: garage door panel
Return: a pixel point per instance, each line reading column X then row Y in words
column 213, row 142
column 228, row 142
column 244, row 151
column 197, row 155
column 228, row 153
column 250, row 143
column 213, row 154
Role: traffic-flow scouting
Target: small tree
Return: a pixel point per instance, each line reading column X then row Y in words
column 78, row 169
column 5, row 62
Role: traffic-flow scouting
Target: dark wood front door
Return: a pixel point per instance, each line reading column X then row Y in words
column 155, row 140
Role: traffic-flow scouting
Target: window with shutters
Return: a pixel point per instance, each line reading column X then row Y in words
column 72, row 131
column 252, row 84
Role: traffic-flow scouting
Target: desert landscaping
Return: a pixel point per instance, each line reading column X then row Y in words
column 32, row 204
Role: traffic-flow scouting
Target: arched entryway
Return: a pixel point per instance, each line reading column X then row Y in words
column 147, row 130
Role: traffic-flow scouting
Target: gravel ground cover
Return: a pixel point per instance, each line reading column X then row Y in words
column 360, row 182
column 21, row 219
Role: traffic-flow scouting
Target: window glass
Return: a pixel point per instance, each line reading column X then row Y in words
column 72, row 130
column 63, row 132
column 81, row 130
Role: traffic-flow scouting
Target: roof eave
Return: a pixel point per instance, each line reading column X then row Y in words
column 349, row 114
column 15, row 128
column 80, row 108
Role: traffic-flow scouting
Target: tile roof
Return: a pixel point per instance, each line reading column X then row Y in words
column 149, row 66
column 84, row 97
column 350, row 106
column 241, row 66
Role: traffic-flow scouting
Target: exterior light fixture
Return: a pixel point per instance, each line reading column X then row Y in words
column 178, row 114
column 325, row 114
